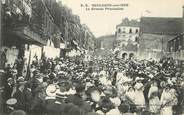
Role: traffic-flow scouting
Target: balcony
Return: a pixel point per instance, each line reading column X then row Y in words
column 19, row 6
column 29, row 36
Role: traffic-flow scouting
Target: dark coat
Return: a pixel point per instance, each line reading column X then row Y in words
column 55, row 109
column 34, row 84
column 38, row 106
column 29, row 99
column 8, row 91
column 21, row 100
column 78, row 101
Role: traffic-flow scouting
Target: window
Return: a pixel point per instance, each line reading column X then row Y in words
column 119, row 30
column 123, row 30
column 136, row 31
column 130, row 31
column 136, row 39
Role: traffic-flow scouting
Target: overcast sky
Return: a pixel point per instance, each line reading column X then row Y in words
column 104, row 22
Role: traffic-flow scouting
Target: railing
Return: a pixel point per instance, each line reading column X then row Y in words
column 30, row 34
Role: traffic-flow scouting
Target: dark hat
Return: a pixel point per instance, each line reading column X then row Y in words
column 110, row 91
column 52, row 76
column 105, row 104
column 80, row 88
column 91, row 89
column 124, row 108
column 35, row 72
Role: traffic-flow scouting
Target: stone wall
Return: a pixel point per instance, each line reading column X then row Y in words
column 154, row 45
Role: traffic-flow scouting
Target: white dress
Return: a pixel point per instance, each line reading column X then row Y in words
column 168, row 100
column 154, row 104
column 131, row 95
column 139, row 98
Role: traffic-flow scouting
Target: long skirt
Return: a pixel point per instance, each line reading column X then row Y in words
column 166, row 111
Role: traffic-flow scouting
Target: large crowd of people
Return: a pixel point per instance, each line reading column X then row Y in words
column 106, row 86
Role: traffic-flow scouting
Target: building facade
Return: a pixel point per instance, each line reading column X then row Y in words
column 127, row 34
column 176, row 44
column 31, row 27
column 176, row 47
column 155, row 32
column 88, row 38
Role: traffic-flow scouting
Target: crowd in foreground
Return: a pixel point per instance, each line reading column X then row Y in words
column 107, row 86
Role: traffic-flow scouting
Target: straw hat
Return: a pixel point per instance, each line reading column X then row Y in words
column 138, row 86
column 21, row 80
column 162, row 84
column 11, row 101
column 51, row 90
column 9, row 79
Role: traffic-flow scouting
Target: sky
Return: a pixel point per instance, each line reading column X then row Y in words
column 104, row 22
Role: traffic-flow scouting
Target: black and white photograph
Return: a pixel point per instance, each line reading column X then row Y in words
column 92, row 57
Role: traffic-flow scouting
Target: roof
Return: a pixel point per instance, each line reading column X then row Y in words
column 130, row 23
column 161, row 25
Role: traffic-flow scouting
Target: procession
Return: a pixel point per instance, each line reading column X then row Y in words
column 101, row 87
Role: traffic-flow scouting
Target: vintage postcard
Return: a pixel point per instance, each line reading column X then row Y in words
column 92, row 57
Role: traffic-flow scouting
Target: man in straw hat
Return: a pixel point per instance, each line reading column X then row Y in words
column 10, row 105
column 19, row 94
column 8, row 88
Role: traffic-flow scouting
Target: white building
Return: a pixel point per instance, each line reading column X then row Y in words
column 127, row 34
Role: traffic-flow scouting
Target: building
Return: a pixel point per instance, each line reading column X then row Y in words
column 37, row 28
column 43, row 22
column 88, row 39
column 176, row 44
column 176, row 47
column 18, row 34
column 155, row 32
column 127, row 34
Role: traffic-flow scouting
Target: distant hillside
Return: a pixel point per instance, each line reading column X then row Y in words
column 106, row 41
